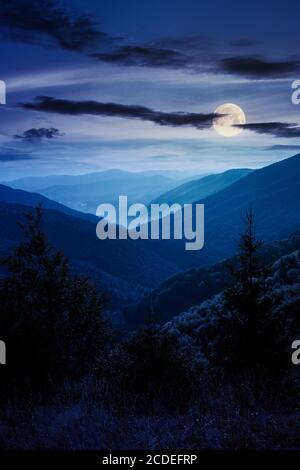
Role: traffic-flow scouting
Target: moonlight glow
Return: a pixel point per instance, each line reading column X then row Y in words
column 233, row 114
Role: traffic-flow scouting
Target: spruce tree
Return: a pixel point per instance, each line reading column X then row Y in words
column 249, row 329
column 52, row 321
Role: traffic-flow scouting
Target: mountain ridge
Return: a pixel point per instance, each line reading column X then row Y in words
column 196, row 189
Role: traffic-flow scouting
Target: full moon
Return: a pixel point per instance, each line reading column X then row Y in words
column 233, row 114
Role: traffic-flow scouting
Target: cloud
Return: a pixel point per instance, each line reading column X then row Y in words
column 284, row 147
column 173, row 119
column 12, row 155
column 277, row 129
column 185, row 52
column 199, row 55
column 34, row 134
column 35, row 20
column 145, row 56
column 254, row 67
column 48, row 22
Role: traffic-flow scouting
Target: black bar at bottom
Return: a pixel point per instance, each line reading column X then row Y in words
column 134, row 459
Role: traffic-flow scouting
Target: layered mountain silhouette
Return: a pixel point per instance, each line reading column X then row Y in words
column 36, row 183
column 86, row 192
column 273, row 194
column 199, row 188
column 133, row 266
column 18, row 196
column 77, row 238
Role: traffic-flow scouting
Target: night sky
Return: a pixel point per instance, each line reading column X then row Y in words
column 134, row 84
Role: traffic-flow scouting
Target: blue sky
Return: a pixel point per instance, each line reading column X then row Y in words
column 150, row 61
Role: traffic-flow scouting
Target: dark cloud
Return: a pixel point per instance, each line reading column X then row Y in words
column 172, row 119
column 146, row 56
column 36, row 20
column 199, row 55
column 254, row 67
column 284, row 147
column 48, row 22
column 277, row 129
column 45, row 22
column 13, row 155
column 186, row 52
column 33, row 135
column 53, row 105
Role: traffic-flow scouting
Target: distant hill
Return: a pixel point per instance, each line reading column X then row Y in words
column 77, row 238
column 18, row 196
column 200, row 188
column 273, row 193
column 86, row 192
column 34, row 183
column 87, row 197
